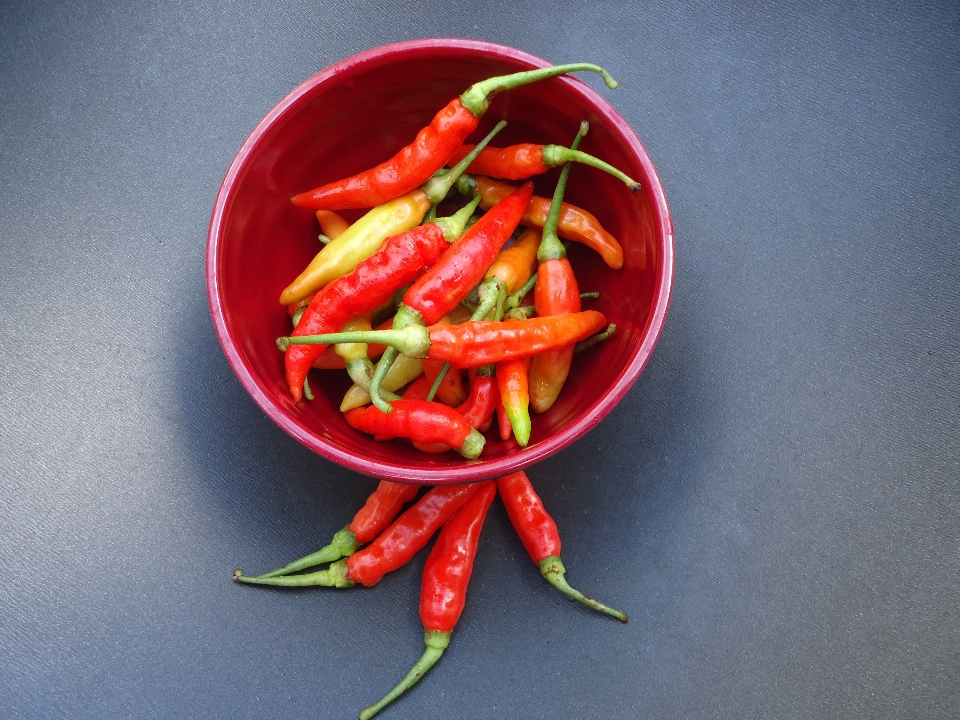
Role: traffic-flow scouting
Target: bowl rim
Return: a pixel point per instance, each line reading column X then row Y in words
column 479, row 469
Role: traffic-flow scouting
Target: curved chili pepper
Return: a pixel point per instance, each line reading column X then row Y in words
column 393, row 548
column 472, row 344
column 397, row 262
column 464, row 263
column 443, row 286
column 539, row 535
column 414, row 164
column 477, row 409
column 517, row 262
column 443, row 590
column 381, row 507
column 359, row 242
column 422, row 421
column 362, row 239
column 524, row 160
column 575, row 223
column 513, row 381
column 556, row 293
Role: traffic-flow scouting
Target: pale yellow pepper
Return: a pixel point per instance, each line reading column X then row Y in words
column 403, row 372
column 358, row 242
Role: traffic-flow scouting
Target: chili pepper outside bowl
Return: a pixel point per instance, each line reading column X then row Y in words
column 359, row 112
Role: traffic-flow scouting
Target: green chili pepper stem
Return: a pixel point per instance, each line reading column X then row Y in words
column 551, row 248
column 594, row 339
column 514, row 299
column 467, row 185
column 404, row 317
column 343, row 544
column 554, row 155
column 361, row 371
column 477, row 97
column 437, row 187
column 594, row 295
column 490, row 292
column 412, row 340
column 333, row 576
column 376, row 390
column 436, row 642
column 524, row 312
column 324, row 239
column 552, row 569
column 455, row 225
column 307, row 392
column 436, row 383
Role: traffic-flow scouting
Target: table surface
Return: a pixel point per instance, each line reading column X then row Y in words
column 775, row 503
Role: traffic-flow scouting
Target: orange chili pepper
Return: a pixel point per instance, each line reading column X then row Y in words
column 556, row 293
column 574, row 224
column 517, row 262
column 512, row 380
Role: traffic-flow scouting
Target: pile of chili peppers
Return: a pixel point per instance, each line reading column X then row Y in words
column 468, row 316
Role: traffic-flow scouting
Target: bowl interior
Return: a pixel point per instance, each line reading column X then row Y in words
column 359, row 113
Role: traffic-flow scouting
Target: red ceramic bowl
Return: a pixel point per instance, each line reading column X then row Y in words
column 356, row 114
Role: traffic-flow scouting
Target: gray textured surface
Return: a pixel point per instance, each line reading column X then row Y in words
column 775, row 503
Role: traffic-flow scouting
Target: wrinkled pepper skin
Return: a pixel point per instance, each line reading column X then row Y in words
column 438, row 291
column 447, row 571
column 575, row 223
column 410, row 532
column 410, row 168
column 381, row 507
column 472, row 344
column 398, row 262
column 421, row 421
column 357, row 243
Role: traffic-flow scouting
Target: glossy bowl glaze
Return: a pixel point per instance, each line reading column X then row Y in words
column 361, row 111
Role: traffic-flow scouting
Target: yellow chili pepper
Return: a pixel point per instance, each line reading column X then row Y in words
column 358, row 242
column 354, row 351
column 403, row 371
column 516, row 263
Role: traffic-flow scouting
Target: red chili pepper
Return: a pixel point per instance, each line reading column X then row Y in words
column 414, row 164
column 556, row 293
column 399, row 261
column 464, row 263
column 408, row 534
column 477, row 409
column 524, row 160
column 539, row 535
column 439, row 290
column 421, row 421
column 443, row 590
column 503, row 422
column 513, row 380
column 377, row 513
column 472, row 344
column 575, row 223
column 392, row 549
